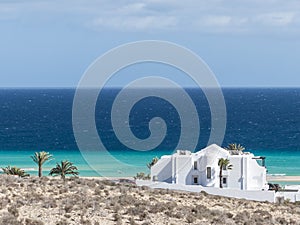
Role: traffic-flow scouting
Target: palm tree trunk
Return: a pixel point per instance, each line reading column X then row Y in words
column 40, row 170
column 221, row 175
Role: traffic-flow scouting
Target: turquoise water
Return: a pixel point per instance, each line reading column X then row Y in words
column 284, row 162
column 130, row 163
column 125, row 165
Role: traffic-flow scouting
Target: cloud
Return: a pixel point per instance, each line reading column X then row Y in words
column 216, row 20
column 276, row 18
column 133, row 17
column 205, row 16
column 131, row 8
column 135, row 23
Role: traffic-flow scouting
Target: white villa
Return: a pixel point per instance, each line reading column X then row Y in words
column 199, row 171
column 201, row 168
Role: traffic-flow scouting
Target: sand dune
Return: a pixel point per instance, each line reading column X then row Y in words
column 97, row 201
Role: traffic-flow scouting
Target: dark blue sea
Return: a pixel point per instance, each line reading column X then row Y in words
column 265, row 121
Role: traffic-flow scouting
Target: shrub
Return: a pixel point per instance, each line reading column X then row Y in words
column 97, row 191
column 191, row 219
column 8, row 219
column 62, row 222
column 33, row 222
column 132, row 221
column 135, row 211
column 68, row 207
column 242, row 217
column 13, row 210
column 143, row 215
column 49, row 203
column 108, row 183
column 117, row 217
column 157, row 208
column 146, row 223
column 142, row 176
column 3, row 203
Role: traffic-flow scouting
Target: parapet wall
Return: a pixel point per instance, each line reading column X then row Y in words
column 241, row 194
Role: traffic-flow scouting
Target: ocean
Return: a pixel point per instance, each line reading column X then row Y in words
column 264, row 120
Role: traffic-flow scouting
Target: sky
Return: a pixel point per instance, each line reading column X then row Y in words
column 249, row 43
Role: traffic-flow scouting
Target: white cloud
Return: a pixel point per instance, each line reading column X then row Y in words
column 216, row 20
column 135, row 23
column 131, row 8
column 164, row 15
column 276, row 18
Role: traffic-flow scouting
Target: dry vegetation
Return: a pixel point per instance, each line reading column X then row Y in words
column 35, row 201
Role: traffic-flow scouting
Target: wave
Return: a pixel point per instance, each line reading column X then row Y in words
column 30, row 169
column 277, row 174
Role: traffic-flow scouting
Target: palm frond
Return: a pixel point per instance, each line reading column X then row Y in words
column 235, row 149
column 152, row 163
column 15, row 171
column 63, row 169
column 41, row 157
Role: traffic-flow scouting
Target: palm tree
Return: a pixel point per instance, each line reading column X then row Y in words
column 235, row 149
column 152, row 163
column 63, row 169
column 223, row 164
column 40, row 158
column 15, row 171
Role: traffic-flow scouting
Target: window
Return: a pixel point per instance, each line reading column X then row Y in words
column 195, row 165
column 208, row 172
column 224, row 167
column 195, row 180
column 224, row 180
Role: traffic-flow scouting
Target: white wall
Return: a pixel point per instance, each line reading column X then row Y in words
column 291, row 196
column 242, row 194
column 163, row 169
column 212, row 162
column 246, row 173
column 235, row 179
column 183, row 169
column 256, row 179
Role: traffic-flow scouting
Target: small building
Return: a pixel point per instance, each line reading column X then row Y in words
column 201, row 168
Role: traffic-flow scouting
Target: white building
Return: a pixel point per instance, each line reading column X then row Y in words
column 201, row 168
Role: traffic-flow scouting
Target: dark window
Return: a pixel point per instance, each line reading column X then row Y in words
column 208, row 172
column 195, row 180
column 224, row 167
column 195, row 165
column 224, row 180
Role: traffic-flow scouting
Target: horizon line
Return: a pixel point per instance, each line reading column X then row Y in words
column 114, row 87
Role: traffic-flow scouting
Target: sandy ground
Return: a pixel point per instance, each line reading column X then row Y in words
column 35, row 201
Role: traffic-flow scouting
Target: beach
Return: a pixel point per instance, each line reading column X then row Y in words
column 284, row 178
column 100, row 201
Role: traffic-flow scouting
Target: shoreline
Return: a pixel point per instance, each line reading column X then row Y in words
column 284, row 178
column 107, row 178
